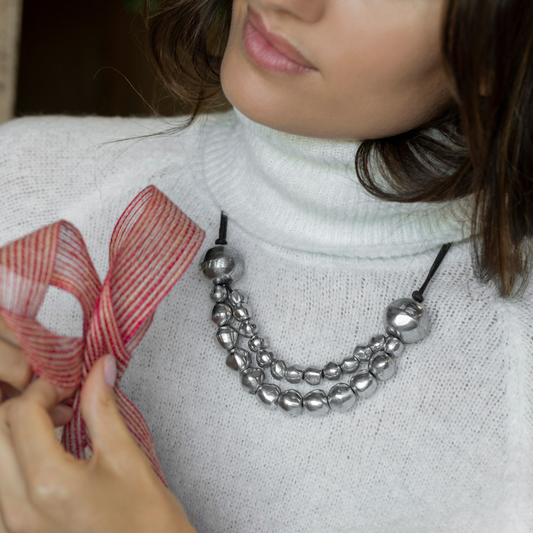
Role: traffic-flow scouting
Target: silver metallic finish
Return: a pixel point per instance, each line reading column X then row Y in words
column 290, row 402
column 332, row 371
column 295, row 373
column 382, row 366
column 219, row 293
column 268, row 394
column 313, row 375
column 221, row 314
column 227, row 337
column 394, row 346
column 278, row 369
column 316, row 403
column 251, row 379
column 264, row 358
column 242, row 312
column 406, row 319
column 377, row 342
column 222, row 264
column 363, row 353
column 236, row 297
column 364, row 384
column 238, row 359
column 350, row 365
column 341, row 398
column 247, row 329
column 257, row 343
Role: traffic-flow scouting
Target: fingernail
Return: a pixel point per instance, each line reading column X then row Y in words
column 110, row 370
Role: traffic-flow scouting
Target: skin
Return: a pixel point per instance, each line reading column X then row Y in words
column 379, row 65
column 378, row 73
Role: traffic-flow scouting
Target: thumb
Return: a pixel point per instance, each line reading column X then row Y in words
column 99, row 408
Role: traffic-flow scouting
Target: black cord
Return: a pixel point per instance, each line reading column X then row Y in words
column 417, row 295
column 223, row 229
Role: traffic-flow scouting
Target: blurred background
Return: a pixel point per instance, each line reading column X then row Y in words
column 77, row 57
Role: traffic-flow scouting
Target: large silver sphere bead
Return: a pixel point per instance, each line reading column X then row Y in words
column 382, row 366
column 238, row 359
column 290, row 402
column 221, row 314
column 316, row 403
column 394, row 346
column 341, row 398
column 364, row 384
column 268, row 395
column 406, row 319
column 251, row 379
column 313, row 375
column 222, row 264
column 227, row 337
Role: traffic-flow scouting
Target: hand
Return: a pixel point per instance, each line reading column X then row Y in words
column 16, row 374
column 47, row 490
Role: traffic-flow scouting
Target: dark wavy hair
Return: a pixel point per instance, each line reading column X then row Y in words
column 486, row 136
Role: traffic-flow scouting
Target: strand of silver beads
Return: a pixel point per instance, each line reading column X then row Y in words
column 405, row 322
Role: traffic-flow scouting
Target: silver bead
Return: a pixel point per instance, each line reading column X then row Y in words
column 227, row 337
column 350, row 365
column 316, row 403
column 251, row 379
column 263, row 358
column 242, row 312
column 332, row 371
column 236, row 297
column 393, row 346
column 222, row 264
column 364, row 384
column 257, row 343
column 406, row 319
column 341, row 398
column 294, row 373
column 363, row 353
column 313, row 375
column 238, row 359
column 221, row 314
column 219, row 293
column 290, row 402
column 268, row 395
column 247, row 329
column 376, row 343
column 382, row 366
column 278, row 369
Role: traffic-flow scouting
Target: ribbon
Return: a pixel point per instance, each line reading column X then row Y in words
column 152, row 245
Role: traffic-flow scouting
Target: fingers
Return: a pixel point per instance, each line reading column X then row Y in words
column 61, row 415
column 14, row 369
column 6, row 334
column 29, row 422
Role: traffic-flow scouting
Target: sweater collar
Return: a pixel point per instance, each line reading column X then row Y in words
column 303, row 193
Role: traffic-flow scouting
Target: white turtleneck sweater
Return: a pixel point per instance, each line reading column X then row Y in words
column 444, row 446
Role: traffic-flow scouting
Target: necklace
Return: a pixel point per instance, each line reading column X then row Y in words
column 405, row 322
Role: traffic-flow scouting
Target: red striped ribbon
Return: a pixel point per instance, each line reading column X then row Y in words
column 152, row 245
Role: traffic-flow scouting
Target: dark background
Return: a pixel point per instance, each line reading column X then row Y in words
column 83, row 57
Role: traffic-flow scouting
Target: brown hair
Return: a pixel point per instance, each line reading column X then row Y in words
column 485, row 138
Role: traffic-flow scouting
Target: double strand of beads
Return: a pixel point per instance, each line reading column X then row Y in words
column 405, row 322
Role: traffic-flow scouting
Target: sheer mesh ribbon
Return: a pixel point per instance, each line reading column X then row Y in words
column 152, row 245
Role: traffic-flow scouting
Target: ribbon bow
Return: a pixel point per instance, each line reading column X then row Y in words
column 152, row 245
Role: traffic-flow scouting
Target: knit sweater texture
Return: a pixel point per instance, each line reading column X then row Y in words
column 444, row 446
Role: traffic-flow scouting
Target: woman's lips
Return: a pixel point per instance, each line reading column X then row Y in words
column 271, row 51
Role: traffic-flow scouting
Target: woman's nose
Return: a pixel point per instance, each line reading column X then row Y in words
column 305, row 10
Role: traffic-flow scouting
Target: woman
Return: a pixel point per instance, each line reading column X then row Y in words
column 363, row 137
